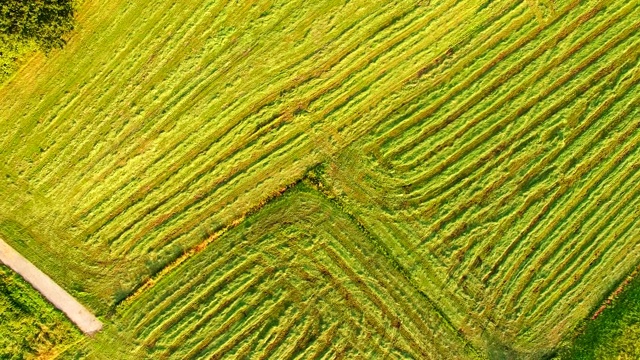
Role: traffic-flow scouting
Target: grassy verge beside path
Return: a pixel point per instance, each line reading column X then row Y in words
column 30, row 327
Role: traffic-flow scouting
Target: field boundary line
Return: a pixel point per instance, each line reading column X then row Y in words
column 55, row 294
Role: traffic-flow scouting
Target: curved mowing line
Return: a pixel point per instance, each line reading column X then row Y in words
column 466, row 148
column 423, row 154
column 540, row 165
column 550, row 42
column 548, row 159
column 252, row 108
column 576, row 266
column 178, row 330
column 573, row 223
column 423, row 114
column 514, row 270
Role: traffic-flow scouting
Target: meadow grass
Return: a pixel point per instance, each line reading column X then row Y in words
column 30, row 327
column 364, row 178
column 614, row 334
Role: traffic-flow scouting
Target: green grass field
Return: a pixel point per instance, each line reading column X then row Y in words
column 292, row 179
column 614, row 334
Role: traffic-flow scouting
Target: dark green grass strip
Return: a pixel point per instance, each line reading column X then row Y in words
column 614, row 334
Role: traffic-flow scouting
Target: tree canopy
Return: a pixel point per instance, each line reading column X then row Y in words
column 27, row 25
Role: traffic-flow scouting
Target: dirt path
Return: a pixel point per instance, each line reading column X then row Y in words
column 77, row 313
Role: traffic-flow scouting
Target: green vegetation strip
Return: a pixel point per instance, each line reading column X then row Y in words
column 614, row 334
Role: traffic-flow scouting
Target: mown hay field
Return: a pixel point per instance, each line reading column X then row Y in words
column 404, row 179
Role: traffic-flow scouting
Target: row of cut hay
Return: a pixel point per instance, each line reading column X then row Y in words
column 126, row 181
column 518, row 182
column 598, row 54
column 447, row 158
column 356, row 278
column 446, row 79
column 517, row 85
column 207, row 164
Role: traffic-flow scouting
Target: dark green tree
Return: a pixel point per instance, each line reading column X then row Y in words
column 27, row 25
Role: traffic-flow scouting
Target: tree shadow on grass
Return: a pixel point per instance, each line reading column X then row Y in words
column 32, row 25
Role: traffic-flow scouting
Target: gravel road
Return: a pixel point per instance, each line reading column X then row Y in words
column 77, row 313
